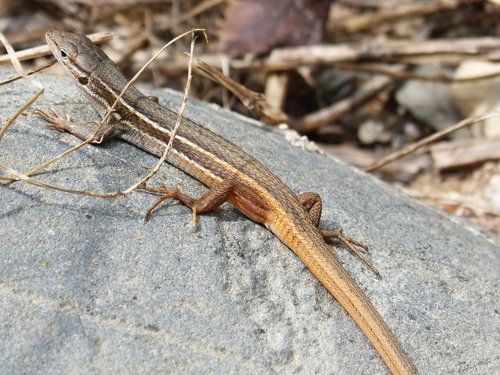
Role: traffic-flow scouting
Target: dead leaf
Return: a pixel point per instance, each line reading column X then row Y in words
column 256, row 26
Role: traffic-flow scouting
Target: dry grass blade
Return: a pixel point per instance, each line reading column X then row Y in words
column 170, row 144
column 138, row 74
column 22, row 177
column 193, row 12
column 31, row 71
column 17, row 65
column 178, row 121
column 43, row 114
column 18, row 112
column 432, row 138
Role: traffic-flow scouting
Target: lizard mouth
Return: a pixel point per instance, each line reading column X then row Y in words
column 49, row 38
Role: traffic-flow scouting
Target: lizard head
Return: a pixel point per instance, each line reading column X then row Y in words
column 76, row 53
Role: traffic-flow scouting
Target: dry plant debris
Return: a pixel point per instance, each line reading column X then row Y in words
column 472, row 193
column 344, row 72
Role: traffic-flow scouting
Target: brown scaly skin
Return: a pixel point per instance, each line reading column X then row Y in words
column 231, row 174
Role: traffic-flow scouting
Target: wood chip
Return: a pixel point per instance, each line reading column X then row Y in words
column 464, row 152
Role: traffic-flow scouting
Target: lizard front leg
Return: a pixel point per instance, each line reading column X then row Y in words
column 82, row 131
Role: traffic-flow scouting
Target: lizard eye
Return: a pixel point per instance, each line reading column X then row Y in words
column 83, row 80
column 64, row 55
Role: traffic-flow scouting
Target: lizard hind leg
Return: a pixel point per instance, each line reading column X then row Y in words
column 313, row 204
column 208, row 201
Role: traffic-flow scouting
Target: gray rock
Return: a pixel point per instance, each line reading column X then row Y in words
column 87, row 287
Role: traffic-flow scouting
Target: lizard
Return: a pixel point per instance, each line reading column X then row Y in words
column 230, row 173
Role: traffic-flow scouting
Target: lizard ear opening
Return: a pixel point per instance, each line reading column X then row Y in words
column 64, row 55
column 83, row 81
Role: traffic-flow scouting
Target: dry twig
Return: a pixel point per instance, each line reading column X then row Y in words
column 256, row 102
column 32, row 53
column 370, row 20
column 333, row 113
column 406, row 75
column 390, row 50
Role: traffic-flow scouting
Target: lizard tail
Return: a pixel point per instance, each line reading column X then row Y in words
column 320, row 260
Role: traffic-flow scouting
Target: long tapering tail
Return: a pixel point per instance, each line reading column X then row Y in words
column 324, row 265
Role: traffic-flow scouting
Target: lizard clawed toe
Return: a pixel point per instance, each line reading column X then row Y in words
column 165, row 193
column 54, row 120
column 351, row 244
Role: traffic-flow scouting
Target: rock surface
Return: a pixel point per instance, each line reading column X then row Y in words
column 87, row 287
